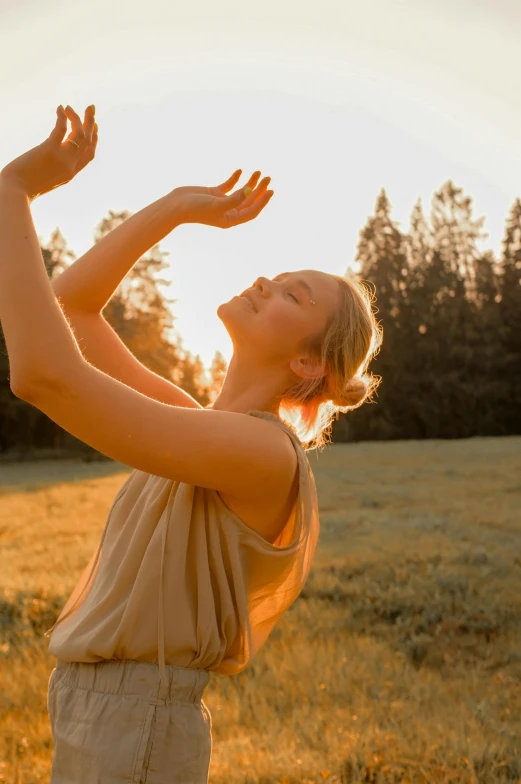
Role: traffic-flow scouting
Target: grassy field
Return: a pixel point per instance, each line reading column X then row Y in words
column 399, row 662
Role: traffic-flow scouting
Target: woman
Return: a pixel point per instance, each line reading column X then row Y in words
column 211, row 537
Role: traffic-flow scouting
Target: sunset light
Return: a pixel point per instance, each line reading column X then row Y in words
column 334, row 101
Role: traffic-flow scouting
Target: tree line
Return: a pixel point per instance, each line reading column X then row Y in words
column 451, row 356
column 450, row 361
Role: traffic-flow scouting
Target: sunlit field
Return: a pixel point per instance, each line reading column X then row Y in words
column 399, row 662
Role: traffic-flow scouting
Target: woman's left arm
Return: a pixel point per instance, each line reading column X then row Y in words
column 40, row 343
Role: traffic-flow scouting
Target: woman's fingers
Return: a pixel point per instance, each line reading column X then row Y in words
column 248, row 208
column 219, row 190
column 60, row 128
column 88, row 150
column 234, row 179
column 88, row 124
column 230, row 182
column 77, row 134
column 254, row 195
column 252, row 182
column 251, row 198
column 244, row 214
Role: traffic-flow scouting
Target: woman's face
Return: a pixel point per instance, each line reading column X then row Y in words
column 272, row 317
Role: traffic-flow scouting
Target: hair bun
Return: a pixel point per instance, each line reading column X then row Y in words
column 353, row 393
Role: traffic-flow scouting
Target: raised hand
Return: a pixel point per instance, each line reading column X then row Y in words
column 55, row 161
column 212, row 207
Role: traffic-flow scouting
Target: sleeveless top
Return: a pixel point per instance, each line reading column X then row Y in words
column 214, row 602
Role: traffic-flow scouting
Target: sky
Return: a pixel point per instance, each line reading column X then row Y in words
column 333, row 100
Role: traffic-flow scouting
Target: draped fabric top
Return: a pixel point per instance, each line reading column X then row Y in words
column 179, row 578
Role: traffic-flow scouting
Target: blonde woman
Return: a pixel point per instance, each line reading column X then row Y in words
column 211, row 537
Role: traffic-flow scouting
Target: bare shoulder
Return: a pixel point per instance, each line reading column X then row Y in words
column 280, row 472
column 267, row 511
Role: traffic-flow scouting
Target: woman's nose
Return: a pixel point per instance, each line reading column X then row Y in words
column 263, row 284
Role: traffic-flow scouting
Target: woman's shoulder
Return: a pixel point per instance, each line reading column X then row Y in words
column 276, row 419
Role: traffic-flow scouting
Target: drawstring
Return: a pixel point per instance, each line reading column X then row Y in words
column 160, row 619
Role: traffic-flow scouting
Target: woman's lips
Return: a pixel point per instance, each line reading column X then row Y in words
column 249, row 302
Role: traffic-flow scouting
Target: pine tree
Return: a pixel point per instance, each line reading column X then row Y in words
column 510, row 319
column 218, row 370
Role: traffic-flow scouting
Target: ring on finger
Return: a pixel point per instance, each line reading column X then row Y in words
column 74, row 143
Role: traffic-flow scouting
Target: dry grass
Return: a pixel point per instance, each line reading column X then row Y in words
column 400, row 661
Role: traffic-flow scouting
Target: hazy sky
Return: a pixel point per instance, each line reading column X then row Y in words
column 332, row 99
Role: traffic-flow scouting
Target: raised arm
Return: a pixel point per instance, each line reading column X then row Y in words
column 87, row 285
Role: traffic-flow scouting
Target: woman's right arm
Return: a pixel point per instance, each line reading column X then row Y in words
column 85, row 287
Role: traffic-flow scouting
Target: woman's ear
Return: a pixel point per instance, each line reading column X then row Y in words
column 306, row 367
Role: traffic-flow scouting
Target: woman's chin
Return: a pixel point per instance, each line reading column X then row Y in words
column 228, row 313
column 236, row 305
column 236, row 318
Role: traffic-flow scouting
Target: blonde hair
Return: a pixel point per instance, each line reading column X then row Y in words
column 352, row 337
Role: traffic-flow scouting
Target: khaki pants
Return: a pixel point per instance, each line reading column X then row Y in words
column 113, row 724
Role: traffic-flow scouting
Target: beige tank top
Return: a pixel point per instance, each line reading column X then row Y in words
column 178, row 577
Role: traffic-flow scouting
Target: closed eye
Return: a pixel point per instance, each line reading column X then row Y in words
column 289, row 292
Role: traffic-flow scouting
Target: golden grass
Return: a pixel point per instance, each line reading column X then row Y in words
column 399, row 662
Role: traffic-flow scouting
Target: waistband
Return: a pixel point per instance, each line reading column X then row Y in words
column 114, row 676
